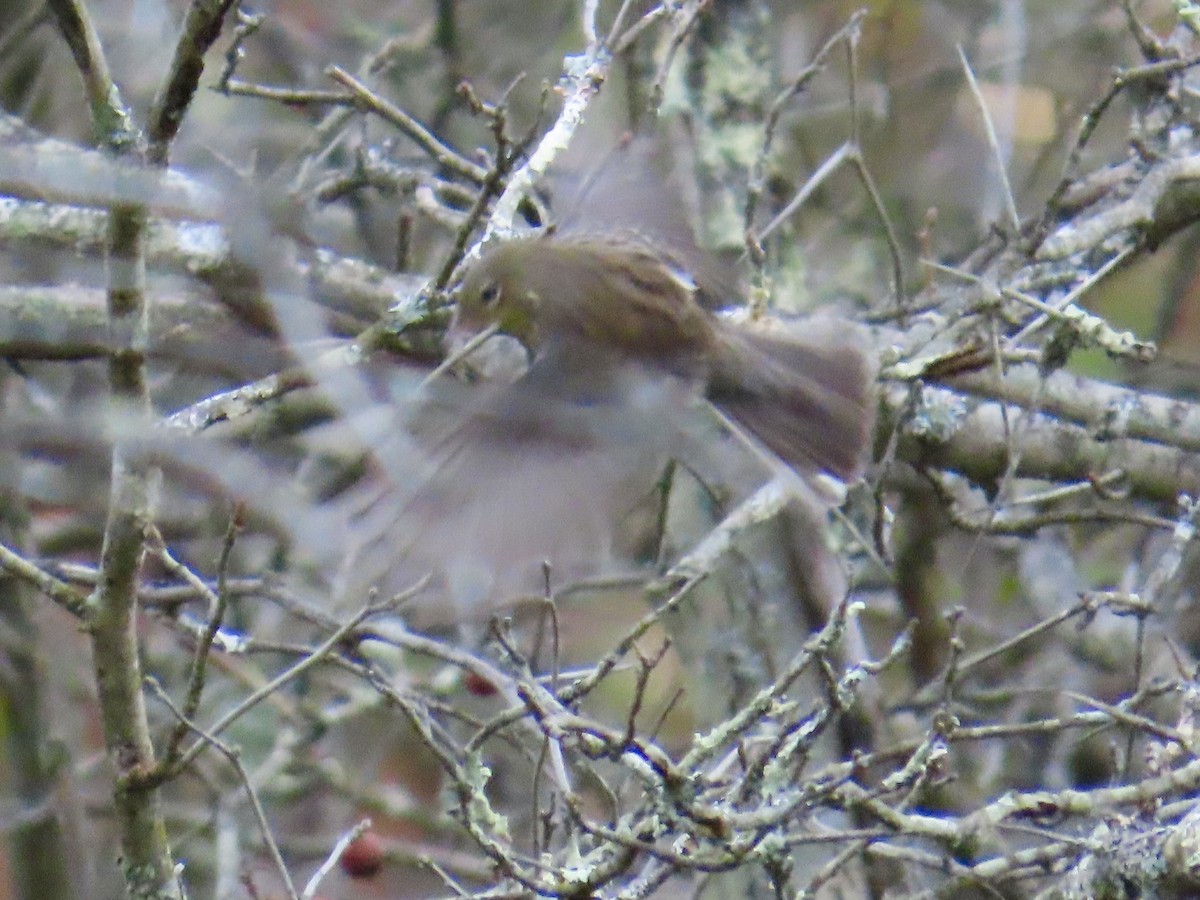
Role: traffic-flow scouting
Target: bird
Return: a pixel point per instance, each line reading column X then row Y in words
column 599, row 301
column 627, row 348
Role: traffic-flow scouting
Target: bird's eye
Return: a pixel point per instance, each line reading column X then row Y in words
column 490, row 293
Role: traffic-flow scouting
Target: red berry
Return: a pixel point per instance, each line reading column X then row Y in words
column 478, row 685
column 364, row 856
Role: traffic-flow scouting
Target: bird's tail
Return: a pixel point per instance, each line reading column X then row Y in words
column 805, row 392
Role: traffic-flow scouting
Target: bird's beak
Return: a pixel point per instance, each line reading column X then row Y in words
column 460, row 344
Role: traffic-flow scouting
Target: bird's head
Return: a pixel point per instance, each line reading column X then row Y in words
column 498, row 293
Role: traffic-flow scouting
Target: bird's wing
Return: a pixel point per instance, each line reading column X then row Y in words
column 555, row 469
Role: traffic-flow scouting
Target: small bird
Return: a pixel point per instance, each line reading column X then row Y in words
column 804, row 391
column 617, row 311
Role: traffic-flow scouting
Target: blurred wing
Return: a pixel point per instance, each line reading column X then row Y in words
column 636, row 194
column 548, row 471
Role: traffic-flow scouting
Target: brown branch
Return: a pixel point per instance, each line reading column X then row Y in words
column 201, row 26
